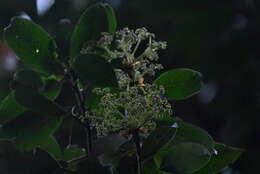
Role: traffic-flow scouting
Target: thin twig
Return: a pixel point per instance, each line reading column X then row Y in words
column 136, row 138
column 80, row 99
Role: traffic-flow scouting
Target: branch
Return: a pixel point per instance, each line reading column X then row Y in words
column 137, row 142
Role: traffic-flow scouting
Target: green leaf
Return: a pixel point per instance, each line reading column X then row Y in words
column 96, row 19
column 52, row 147
column 39, row 162
column 225, row 156
column 30, row 130
column 32, row 45
column 72, row 152
column 95, row 70
column 31, row 99
column 107, row 149
column 29, row 78
column 150, row 167
column 52, row 88
column 10, row 109
column 180, row 83
column 157, row 139
column 113, row 156
column 185, row 158
column 108, row 144
column 191, row 133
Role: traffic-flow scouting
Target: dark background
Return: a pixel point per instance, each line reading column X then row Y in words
column 219, row 38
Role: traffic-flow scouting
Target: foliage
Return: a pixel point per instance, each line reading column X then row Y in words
column 129, row 121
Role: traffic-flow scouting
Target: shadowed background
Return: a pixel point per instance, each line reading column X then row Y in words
column 219, row 38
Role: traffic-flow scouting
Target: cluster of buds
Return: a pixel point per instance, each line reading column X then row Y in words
column 125, row 45
column 135, row 108
column 137, row 105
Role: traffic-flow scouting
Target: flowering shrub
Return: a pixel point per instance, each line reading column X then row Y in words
column 129, row 121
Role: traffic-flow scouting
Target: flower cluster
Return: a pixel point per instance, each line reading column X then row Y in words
column 124, row 45
column 138, row 107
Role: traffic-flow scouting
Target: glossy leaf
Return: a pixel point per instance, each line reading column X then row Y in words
column 224, row 156
column 157, row 139
column 30, row 130
column 52, row 88
column 51, row 146
column 114, row 157
column 96, row 19
column 150, row 167
column 180, row 83
column 31, row 99
column 108, row 144
column 32, row 45
column 95, row 70
column 9, row 108
column 185, row 158
column 191, row 133
column 72, row 152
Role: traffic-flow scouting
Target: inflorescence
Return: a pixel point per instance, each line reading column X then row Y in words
column 136, row 105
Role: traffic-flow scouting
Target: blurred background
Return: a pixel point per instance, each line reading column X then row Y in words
column 219, row 38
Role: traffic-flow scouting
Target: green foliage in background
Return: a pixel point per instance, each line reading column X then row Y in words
column 129, row 123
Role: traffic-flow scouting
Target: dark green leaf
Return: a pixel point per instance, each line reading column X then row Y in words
column 31, row 99
column 115, row 156
column 180, row 83
column 149, row 167
column 9, row 108
column 95, row 70
column 157, row 139
column 29, row 78
column 32, row 45
column 72, row 152
column 15, row 161
column 108, row 144
column 31, row 130
column 52, row 147
column 52, row 88
column 191, row 133
column 96, row 19
column 185, row 158
column 224, row 156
